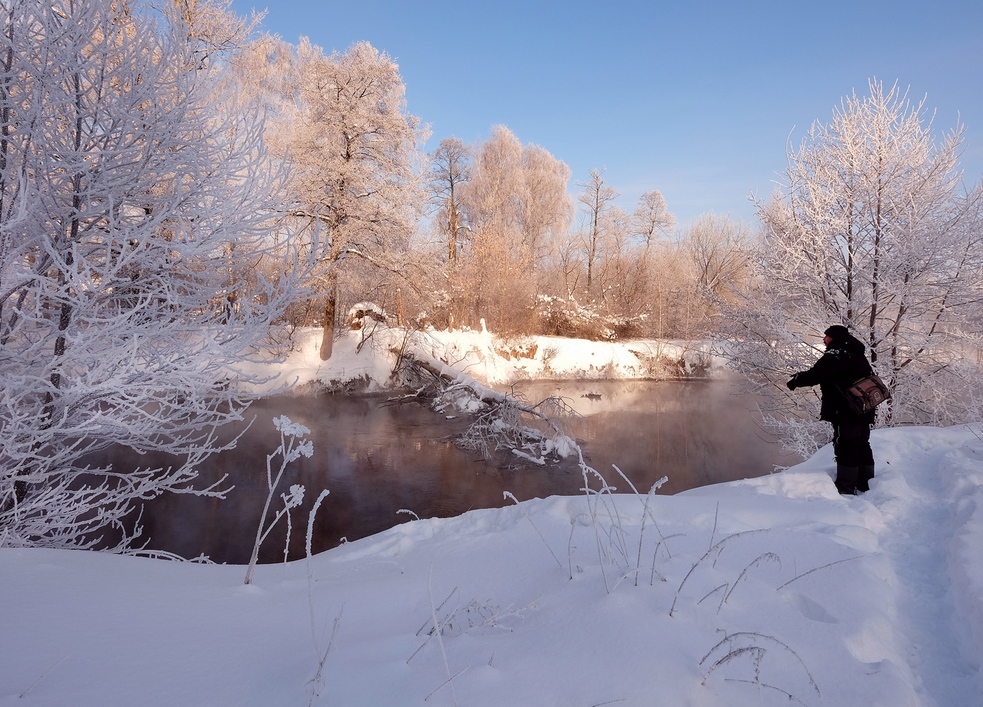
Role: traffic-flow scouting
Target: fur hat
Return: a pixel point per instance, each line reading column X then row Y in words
column 837, row 332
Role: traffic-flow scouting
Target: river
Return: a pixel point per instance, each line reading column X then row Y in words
column 378, row 460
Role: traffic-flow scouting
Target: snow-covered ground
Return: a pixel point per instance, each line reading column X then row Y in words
column 770, row 591
column 485, row 357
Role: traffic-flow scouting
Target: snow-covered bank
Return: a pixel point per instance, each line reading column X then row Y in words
column 769, row 591
column 367, row 357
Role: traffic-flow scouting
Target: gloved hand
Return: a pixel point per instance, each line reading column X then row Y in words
column 792, row 385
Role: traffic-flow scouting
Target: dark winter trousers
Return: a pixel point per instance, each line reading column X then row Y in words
column 854, row 458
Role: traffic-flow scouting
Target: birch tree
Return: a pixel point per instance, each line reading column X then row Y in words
column 515, row 203
column 616, row 265
column 619, row 265
column 651, row 226
column 597, row 198
column 652, row 218
column 132, row 213
column 873, row 229
column 693, row 275
column 450, row 170
column 212, row 29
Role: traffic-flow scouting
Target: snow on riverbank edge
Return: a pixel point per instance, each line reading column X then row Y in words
column 366, row 358
column 765, row 591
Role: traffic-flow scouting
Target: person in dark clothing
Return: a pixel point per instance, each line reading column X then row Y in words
column 843, row 363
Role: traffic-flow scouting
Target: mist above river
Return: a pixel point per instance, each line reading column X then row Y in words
column 693, row 432
column 385, row 463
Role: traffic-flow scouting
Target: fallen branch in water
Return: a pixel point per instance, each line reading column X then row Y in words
column 502, row 422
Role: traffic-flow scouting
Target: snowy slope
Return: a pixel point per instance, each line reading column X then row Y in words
column 768, row 591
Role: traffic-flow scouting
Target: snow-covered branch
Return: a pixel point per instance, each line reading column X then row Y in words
column 501, row 422
column 138, row 212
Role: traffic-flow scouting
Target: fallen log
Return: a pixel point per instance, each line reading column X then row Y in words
column 500, row 421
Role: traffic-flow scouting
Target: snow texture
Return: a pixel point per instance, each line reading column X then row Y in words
column 768, row 591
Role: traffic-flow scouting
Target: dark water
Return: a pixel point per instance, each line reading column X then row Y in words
column 693, row 432
column 377, row 459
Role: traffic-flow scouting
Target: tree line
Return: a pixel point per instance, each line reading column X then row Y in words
column 469, row 232
column 177, row 187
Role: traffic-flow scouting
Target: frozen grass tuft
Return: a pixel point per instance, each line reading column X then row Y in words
column 292, row 447
column 754, row 648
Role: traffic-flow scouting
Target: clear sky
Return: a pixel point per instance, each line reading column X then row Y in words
column 695, row 99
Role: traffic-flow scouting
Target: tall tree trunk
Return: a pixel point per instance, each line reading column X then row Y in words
column 330, row 307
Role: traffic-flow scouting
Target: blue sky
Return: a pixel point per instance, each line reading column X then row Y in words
column 695, row 99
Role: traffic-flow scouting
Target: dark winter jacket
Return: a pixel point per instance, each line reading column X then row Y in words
column 843, row 364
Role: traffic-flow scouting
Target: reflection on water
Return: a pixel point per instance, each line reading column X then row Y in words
column 377, row 460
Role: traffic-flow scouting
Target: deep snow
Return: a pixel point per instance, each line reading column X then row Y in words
column 773, row 590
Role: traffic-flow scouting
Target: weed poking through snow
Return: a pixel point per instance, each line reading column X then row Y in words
column 292, row 447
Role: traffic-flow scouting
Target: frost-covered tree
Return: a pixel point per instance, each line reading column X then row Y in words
column 646, row 286
column 212, row 30
column 494, row 281
column 354, row 149
column 718, row 250
column 450, row 169
column 621, row 267
column 133, row 211
column 514, row 204
column 495, row 194
column 872, row 229
column 597, row 199
column 547, row 209
column 652, row 219
column 715, row 254
column 619, row 261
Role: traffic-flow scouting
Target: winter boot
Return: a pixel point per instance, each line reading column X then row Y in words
column 846, row 479
column 864, row 474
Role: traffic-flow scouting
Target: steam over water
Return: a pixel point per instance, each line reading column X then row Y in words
column 378, row 459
